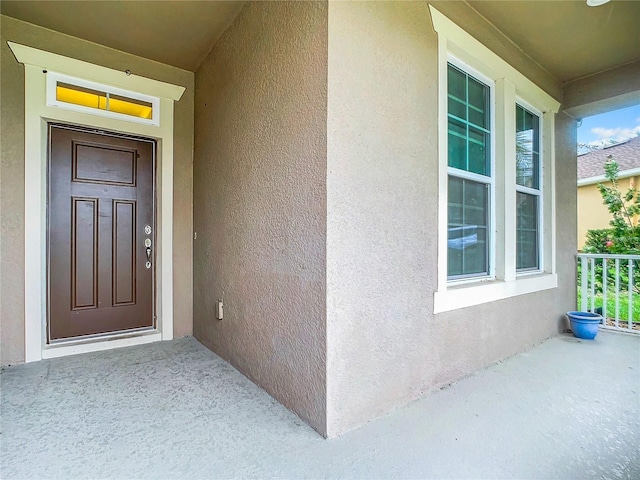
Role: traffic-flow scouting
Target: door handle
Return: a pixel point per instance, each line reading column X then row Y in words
column 147, row 244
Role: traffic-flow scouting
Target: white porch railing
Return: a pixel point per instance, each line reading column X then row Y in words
column 610, row 285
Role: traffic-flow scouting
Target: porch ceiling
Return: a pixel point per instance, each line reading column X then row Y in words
column 567, row 38
column 178, row 33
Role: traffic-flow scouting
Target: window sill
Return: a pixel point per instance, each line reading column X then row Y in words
column 467, row 295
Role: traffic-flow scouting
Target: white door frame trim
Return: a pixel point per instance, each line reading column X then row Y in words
column 37, row 116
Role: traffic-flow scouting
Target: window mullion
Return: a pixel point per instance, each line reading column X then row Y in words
column 505, row 119
column 466, row 125
column 548, row 181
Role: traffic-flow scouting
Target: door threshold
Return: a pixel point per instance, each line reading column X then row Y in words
column 97, row 344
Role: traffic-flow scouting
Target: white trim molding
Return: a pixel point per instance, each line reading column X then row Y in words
column 632, row 172
column 511, row 87
column 37, row 116
column 115, row 341
column 462, row 296
column 95, row 73
column 462, row 45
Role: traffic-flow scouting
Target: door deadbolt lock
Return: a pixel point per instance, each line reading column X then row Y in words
column 147, row 229
column 147, row 242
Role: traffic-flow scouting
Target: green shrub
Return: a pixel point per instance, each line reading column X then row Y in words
column 623, row 238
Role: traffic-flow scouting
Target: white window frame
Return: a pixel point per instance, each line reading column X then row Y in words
column 474, row 177
column 52, row 81
column 539, row 192
column 511, row 87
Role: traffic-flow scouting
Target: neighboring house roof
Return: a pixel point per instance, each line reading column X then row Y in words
column 626, row 154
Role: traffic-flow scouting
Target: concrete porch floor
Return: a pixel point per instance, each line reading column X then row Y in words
column 175, row 410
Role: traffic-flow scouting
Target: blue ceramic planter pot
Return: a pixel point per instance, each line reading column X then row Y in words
column 584, row 324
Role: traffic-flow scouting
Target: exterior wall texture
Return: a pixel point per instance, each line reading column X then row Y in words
column 385, row 347
column 592, row 213
column 12, row 173
column 315, row 200
column 259, row 201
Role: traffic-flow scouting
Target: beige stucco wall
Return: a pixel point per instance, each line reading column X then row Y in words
column 12, row 172
column 259, row 197
column 592, row 213
column 385, row 347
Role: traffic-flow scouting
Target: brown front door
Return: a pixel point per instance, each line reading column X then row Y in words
column 101, row 228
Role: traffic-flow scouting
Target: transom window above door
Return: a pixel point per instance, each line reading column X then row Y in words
column 90, row 97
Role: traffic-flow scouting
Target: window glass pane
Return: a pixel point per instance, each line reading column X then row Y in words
column 456, row 84
column 527, row 248
column 478, row 103
column 457, row 108
column 455, row 201
column 467, row 239
column 477, row 92
column 468, row 122
column 478, row 152
column 87, row 97
column 130, row 106
column 457, row 144
column 527, row 148
column 478, row 117
column 81, row 96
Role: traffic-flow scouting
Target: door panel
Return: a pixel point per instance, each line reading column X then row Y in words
column 124, row 253
column 100, row 200
column 84, row 253
column 100, row 164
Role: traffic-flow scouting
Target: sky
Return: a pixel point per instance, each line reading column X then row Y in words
column 618, row 125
